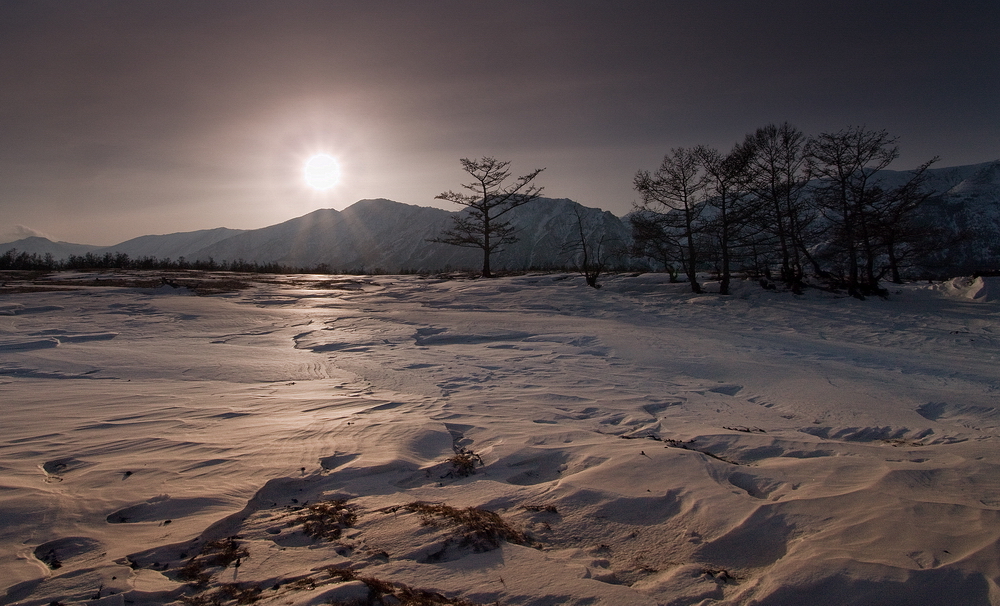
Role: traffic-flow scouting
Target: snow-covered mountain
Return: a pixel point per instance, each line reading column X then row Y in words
column 969, row 210
column 372, row 235
column 37, row 245
column 171, row 246
column 367, row 235
column 167, row 246
column 382, row 235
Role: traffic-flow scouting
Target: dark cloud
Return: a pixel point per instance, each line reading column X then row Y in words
column 130, row 117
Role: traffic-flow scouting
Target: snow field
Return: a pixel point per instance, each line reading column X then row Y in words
column 653, row 446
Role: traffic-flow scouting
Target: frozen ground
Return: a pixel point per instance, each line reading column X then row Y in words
column 640, row 444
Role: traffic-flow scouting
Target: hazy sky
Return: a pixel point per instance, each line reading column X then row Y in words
column 119, row 119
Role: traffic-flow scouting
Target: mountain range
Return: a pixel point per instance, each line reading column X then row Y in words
column 370, row 235
column 384, row 236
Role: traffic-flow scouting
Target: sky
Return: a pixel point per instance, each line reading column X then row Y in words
column 125, row 118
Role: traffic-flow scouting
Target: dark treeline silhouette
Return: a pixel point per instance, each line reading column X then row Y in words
column 20, row 260
column 16, row 260
column 781, row 206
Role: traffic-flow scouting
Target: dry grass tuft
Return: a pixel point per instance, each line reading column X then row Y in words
column 481, row 529
column 548, row 508
column 404, row 595
column 326, row 520
column 193, row 571
column 224, row 552
column 464, row 463
column 234, row 593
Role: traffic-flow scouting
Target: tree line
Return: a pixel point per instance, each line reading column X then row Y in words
column 779, row 205
column 782, row 206
column 14, row 259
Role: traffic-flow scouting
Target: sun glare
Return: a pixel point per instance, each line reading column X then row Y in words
column 322, row 172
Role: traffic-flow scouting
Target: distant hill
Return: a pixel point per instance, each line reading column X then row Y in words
column 37, row 245
column 389, row 236
column 368, row 234
column 171, row 246
column 969, row 208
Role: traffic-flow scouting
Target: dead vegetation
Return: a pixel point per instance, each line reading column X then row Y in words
column 214, row 554
column 463, row 464
column 472, row 528
column 398, row 593
column 480, row 529
column 197, row 282
column 684, row 445
column 326, row 520
column 235, row 593
column 548, row 508
column 51, row 560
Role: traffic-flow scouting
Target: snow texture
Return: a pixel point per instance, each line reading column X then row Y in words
column 633, row 445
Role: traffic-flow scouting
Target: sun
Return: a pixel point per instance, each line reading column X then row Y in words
column 322, row 172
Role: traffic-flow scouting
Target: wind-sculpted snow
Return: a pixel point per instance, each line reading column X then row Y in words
column 525, row 440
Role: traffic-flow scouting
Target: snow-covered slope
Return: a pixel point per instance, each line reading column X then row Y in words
column 939, row 180
column 36, row 245
column 638, row 445
column 390, row 236
column 548, row 233
column 970, row 210
column 367, row 235
column 171, row 246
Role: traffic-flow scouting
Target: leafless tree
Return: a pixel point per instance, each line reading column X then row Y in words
column 728, row 178
column 892, row 215
column 591, row 250
column 674, row 196
column 779, row 181
column 654, row 238
column 845, row 164
column 482, row 225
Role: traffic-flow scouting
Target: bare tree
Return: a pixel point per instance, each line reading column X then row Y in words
column 727, row 179
column 653, row 238
column 481, row 226
column 892, row 217
column 591, row 250
column 779, row 163
column 845, row 163
column 674, row 195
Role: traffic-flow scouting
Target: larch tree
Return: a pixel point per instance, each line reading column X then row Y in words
column 591, row 249
column 673, row 197
column 482, row 225
column 727, row 179
column 778, row 164
column 892, row 219
column 845, row 165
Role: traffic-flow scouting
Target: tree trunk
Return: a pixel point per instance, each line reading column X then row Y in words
column 890, row 246
column 692, row 268
column 724, row 284
column 486, row 247
column 724, row 242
